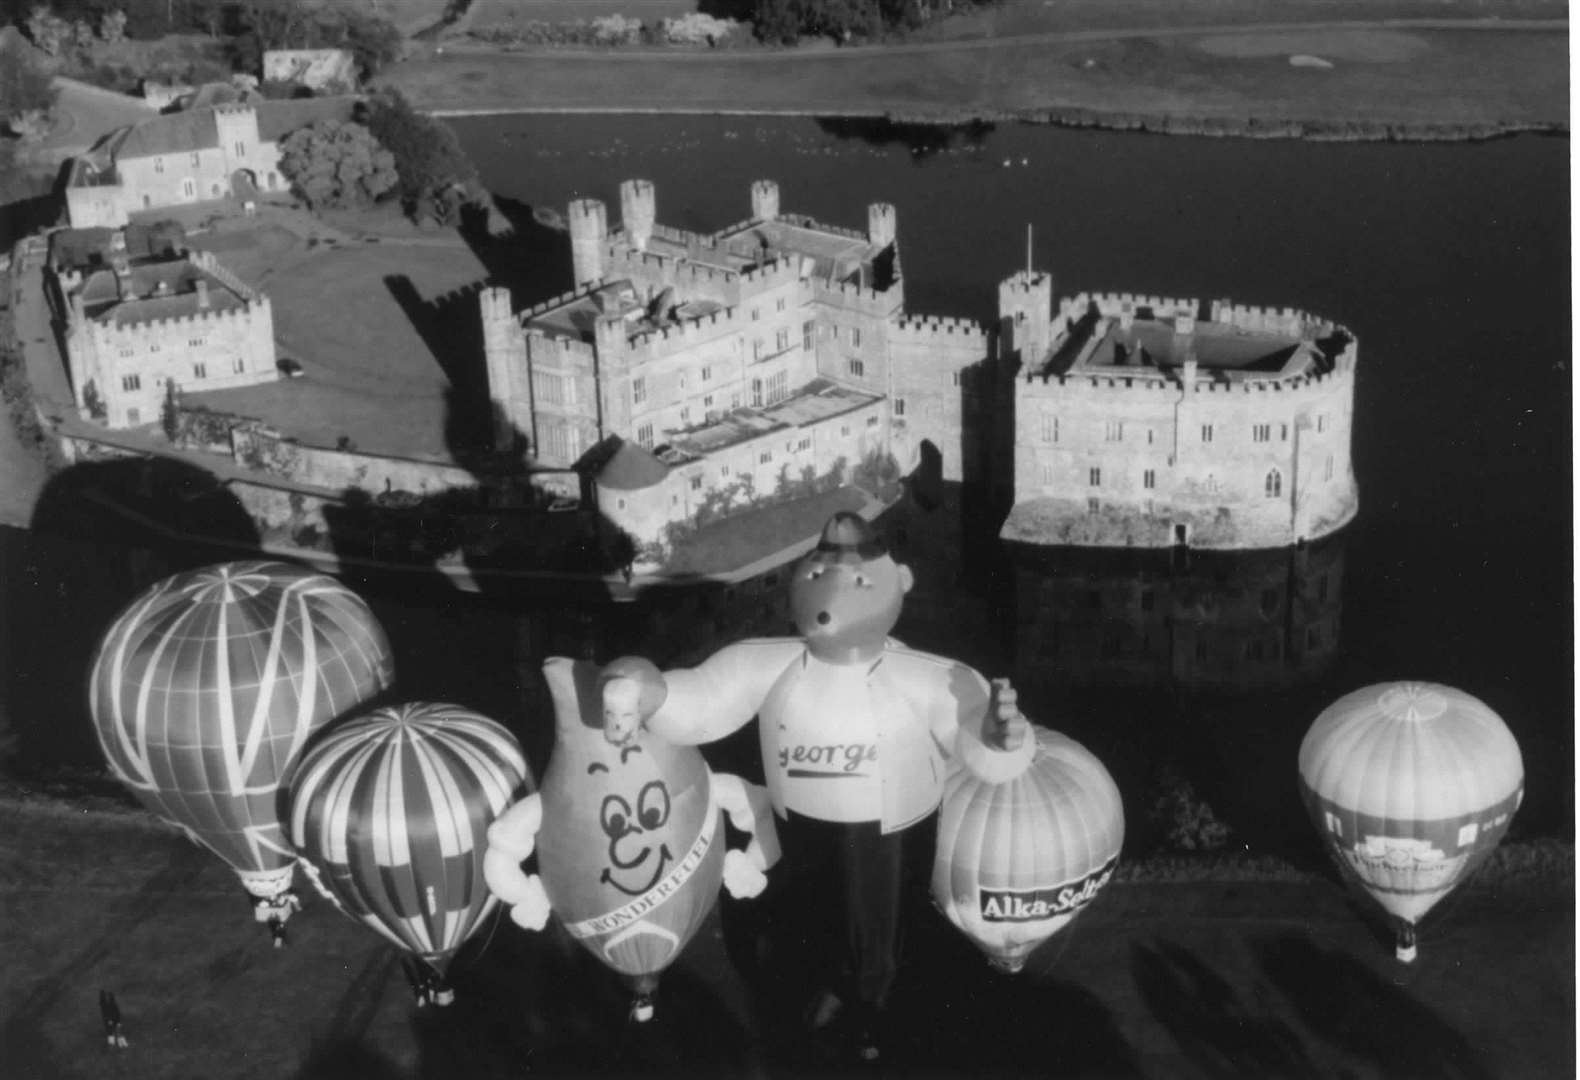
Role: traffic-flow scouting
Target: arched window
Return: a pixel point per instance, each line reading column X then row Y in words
column 1275, row 484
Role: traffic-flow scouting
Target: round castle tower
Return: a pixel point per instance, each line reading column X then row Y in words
column 765, row 200
column 638, row 210
column 589, row 223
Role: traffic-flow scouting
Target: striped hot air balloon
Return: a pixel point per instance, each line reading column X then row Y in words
column 1411, row 785
column 204, row 692
column 631, row 850
column 1018, row 860
column 390, row 811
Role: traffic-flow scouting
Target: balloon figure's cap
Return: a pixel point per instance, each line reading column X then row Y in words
column 849, row 534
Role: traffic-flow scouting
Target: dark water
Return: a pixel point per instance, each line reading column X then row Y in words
column 1451, row 265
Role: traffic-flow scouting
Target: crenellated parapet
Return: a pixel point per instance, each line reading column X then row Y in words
column 927, row 329
column 205, row 261
column 622, row 261
column 685, row 332
column 877, row 303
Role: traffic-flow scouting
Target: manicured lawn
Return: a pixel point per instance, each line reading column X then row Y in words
column 496, row 14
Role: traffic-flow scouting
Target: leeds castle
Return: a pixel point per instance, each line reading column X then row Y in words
column 776, row 347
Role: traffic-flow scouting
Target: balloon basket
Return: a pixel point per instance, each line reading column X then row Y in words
column 1404, row 944
column 642, row 1008
column 1007, row 965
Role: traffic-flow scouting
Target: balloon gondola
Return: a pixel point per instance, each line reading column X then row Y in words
column 1411, row 786
column 390, row 811
column 206, row 689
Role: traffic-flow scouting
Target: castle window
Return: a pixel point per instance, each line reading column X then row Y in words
column 707, row 372
column 1094, row 476
column 1206, row 433
column 1283, row 432
column 765, row 457
column 1261, row 432
column 782, row 340
column 724, row 470
column 1327, row 468
column 1092, row 506
column 872, row 421
column 857, row 368
column 685, row 414
column 1149, row 436
column 644, row 435
column 844, row 429
column 131, row 382
column 757, row 393
column 241, row 148
column 757, row 348
column 240, row 365
column 188, row 188
column 682, row 380
column 1047, row 474
column 804, row 444
column 756, row 314
column 779, row 305
column 1114, row 431
column 620, row 504
column 214, row 190
column 196, row 343
column 808, row 331
column 133, row 416
column 154, row 347
column 696, row 483
column 200, row 371
column 1274, row 484
column 194, row 157
column 955, row 378
column 707, row 401
column 159, row 164
column 638, row 390
column 1322, row 422
column 1149, row 478
column 127, row 352
column 855, row 337
column 899, row 406
column 779, row 387
column 1050, row 428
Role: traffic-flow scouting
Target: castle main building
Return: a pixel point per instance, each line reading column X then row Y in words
column 779, row 347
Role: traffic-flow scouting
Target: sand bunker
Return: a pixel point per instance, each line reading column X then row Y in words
column 1363, row 46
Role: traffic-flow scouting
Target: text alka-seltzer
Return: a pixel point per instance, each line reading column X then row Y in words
column 1028, row 905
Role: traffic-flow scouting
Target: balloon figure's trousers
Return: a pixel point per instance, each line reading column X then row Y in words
column 852, row 888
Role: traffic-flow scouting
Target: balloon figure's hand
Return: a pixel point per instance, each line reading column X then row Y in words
column 741, row 875
column 633, row 690
column 1010, row 728
column 531, row 912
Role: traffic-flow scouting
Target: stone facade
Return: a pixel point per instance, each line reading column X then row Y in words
column 1148, row 422
column 180, row 158
column 775, row 350
column 133, row 328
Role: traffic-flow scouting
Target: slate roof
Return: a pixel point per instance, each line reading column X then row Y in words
column 195, row 129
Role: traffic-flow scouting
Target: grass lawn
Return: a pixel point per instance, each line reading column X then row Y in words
column 379, row 347
column 493, row 14
column 1443, row 78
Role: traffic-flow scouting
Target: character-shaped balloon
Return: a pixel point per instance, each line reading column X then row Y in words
column 1411, row 785
column 390, row 810
column 1018, row 859
column 205, row 690
column 629, row 846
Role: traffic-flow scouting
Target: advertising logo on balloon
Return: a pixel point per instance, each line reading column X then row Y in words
column 1029, row 905
column 659, row 892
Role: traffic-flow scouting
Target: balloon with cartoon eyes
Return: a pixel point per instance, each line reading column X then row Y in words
column 630, row 850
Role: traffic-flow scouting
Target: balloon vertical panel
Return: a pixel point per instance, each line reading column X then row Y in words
column 206, row 688
column 390, row 812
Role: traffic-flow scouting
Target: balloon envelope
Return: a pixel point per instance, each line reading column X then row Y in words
column 390, row 811
column 630, row 851
column 206, row 687
column 1018, row 860
column 1411, row 785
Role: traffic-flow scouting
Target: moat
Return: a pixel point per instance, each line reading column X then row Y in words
column 1450, row 265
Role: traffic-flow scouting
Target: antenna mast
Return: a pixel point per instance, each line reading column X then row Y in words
column 1028, row 251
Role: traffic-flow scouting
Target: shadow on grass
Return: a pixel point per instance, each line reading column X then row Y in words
column 1221, row 1027
column 1367, row 1017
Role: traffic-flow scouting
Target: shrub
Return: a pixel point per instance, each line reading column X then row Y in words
column 1185, row 820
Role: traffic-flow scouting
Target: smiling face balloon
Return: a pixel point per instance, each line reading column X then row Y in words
column 630, row 849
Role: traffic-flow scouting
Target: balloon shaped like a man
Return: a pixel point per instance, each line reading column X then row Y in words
column 854, row 729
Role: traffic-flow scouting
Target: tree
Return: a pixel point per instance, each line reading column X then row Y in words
column 170, row 414
column 436, row 176
column 27, row 90
column 337, row 164
column 373, row 42
column 48, row 31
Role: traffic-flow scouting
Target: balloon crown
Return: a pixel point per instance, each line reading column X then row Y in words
column 848, row 534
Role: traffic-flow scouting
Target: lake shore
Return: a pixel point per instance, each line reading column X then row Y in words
column 1395, row 80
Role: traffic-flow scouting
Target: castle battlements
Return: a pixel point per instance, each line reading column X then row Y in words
column 197, row 322
column 847, row 294
column 926, row 328
column 621, row 260
column 575, row 347
column 696, row 328
column 205, row 261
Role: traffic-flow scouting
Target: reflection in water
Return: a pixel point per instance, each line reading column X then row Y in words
column 1212, row 620
column 922, row 140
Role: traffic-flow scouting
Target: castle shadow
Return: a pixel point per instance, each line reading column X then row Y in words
column 523, row 248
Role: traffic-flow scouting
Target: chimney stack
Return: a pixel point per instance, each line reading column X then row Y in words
column 202, row 293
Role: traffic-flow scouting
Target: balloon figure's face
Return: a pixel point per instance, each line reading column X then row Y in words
column 633, row 812
column 844, row 605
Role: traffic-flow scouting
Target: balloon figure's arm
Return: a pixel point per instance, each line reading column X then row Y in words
column 717, row 697
column 511, row 840
column 749, row 810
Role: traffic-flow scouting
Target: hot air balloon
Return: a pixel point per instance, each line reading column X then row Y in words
column 1411, row 785
column 1019, row 859
column 390, row 811
column 630, row 850
column 204, row 692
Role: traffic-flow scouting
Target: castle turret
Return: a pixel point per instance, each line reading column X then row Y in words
column 589, row 222
column 765, row 200
column 882, row 227
column 1025, row 311
column 638, row 210
column 236, row 127
column 505, row 359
